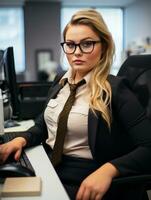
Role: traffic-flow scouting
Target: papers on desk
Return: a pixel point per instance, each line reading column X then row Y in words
column 22, row 186
column 24, row 125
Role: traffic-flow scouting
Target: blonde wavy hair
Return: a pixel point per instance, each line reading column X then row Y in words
column 99, row 86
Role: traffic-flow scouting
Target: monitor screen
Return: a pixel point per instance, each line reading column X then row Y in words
column 9, row 79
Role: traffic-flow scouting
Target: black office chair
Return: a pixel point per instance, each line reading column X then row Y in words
column 137, row 69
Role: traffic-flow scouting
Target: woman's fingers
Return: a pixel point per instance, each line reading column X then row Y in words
column 86, row 193
column 5, row 151
column 18, row 154
column 9, row 148
column 80, row 193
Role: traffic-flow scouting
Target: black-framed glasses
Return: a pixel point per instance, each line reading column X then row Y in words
column 84, row 46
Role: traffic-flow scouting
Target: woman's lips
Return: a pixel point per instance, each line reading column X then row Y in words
column 78, row 62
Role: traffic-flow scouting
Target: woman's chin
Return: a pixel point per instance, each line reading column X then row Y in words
column 78, row 67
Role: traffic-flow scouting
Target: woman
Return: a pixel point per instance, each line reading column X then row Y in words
column 108, row 133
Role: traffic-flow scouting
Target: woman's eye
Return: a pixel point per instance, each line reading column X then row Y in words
column 70, row 45
column 87, row 44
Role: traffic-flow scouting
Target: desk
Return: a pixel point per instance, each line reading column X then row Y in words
column 52, row 188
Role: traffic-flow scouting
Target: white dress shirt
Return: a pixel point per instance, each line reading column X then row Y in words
column 76, row 140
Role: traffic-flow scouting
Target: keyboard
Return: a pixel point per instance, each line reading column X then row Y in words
column 22, row 167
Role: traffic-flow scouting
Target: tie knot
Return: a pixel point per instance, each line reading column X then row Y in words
column 73, row 87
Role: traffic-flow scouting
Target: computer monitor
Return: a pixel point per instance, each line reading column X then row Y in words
column 10, row 82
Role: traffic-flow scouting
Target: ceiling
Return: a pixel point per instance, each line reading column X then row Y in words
column 119, row 3
column 94, row 3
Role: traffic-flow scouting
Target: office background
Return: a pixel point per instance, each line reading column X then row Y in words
column 42, row 27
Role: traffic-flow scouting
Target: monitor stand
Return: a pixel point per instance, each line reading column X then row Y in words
column 10, row 123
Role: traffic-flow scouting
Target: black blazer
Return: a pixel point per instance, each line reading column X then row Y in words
column 127, row 145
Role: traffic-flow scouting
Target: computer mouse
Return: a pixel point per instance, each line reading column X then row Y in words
column 14, row 170
column 10, row 123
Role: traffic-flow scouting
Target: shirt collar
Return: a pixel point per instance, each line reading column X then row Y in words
column 68, row 77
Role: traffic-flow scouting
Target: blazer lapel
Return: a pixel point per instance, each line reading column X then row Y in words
column 92, row 130
column 96, row 125
column 54, row 91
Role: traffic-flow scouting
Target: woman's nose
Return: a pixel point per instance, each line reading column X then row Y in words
column 78, row 50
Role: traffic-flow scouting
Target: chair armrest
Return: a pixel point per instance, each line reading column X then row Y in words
column 137, row 179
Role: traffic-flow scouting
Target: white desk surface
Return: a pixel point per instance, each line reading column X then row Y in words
column 52, row 188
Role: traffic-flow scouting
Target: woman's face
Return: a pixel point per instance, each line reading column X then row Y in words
column 81, row 62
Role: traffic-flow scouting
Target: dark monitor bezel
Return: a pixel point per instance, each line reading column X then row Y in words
column 11, row 80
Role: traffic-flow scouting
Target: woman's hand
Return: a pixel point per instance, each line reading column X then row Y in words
column 97, row 184
column 14, row 146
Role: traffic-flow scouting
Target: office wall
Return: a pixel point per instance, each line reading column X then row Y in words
column 42, row 31
column 137, row 23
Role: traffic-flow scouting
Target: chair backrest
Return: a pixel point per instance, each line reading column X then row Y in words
column 137, row 69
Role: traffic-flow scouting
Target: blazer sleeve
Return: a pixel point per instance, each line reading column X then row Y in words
column 38, row 133
column 132, row 117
